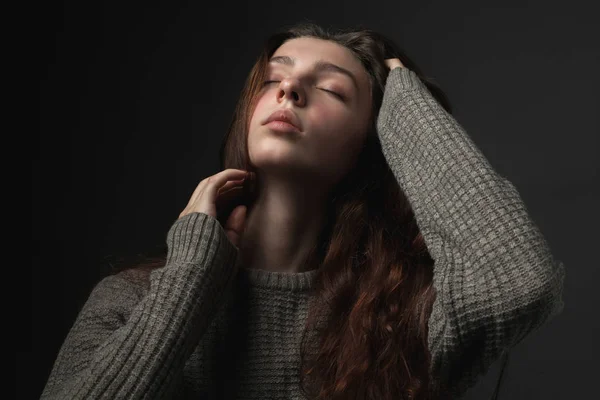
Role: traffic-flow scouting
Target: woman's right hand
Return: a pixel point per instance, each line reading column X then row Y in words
column 216, row 192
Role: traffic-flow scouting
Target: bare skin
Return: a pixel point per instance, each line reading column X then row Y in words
column 297, row 171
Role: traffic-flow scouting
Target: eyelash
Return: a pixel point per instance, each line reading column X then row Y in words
column 328, row 91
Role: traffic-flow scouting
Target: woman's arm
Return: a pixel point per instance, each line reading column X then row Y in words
column 495, row 277
column 126, row 344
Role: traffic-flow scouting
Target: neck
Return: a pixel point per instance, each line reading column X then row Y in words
column 282, row 226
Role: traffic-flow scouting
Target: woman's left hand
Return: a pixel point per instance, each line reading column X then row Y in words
column 393, row 63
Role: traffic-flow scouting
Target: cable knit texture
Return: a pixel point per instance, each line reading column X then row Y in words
column 203, row 328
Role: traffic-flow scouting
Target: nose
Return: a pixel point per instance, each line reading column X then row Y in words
column 290, row 89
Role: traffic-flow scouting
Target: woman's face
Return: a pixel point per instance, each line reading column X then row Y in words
column 332, row 129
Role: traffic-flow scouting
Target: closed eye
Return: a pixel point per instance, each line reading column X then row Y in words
column 335, row 94
column 328, row 91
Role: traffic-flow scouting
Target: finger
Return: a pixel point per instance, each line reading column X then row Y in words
column 393, row 63
column 225, row 200
column 230, row 185
column 215, row 182
column 236, row 191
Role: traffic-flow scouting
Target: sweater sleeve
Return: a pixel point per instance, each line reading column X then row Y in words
column 495, row 278
column 126, row 344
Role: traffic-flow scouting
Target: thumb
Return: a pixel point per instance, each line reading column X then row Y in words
column 234, row 227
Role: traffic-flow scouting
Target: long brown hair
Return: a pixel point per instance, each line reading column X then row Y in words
column 366, row 332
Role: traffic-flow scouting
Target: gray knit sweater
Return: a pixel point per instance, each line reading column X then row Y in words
column 204, row 328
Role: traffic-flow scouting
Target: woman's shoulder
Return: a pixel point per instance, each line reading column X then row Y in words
column 122, row 286
column 136, row 278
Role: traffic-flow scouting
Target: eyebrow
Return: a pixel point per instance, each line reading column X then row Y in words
column 320, row 66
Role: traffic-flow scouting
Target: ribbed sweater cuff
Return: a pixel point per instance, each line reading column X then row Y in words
column 191, row 234
column 401, row 79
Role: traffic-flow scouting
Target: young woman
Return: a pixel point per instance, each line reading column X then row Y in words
column 356, row 245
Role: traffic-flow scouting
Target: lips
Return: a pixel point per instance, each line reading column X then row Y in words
column 285, row 115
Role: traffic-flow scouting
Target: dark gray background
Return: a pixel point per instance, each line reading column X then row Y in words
column 134, row 102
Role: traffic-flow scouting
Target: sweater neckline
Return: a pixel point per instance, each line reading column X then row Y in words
column 294, row 281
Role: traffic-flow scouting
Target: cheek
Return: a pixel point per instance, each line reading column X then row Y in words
column 334, row 124
column 344, row 135
column 260, row 112
column 257, row 114
column 327, row 120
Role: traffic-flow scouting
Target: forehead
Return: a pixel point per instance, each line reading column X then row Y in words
column 306, row 51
